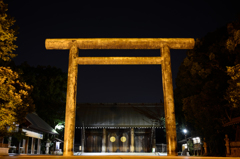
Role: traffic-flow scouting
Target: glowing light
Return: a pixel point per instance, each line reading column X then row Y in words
column 184, row 146
column 196, row 140
column 185, row 131
column 59, row 126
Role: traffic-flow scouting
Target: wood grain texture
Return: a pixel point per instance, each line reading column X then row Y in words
column 120, row 43
column 170, row 121
column 119, row 60
column 70, row 112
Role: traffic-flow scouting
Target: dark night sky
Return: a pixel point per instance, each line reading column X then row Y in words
column 43, row 19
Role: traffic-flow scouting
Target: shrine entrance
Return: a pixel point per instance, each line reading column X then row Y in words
column 118, row 140
column 163, row 44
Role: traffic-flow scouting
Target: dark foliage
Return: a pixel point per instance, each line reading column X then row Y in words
column 202, row 84
column 49, row 92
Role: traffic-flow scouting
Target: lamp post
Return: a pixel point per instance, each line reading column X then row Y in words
column 185, row 133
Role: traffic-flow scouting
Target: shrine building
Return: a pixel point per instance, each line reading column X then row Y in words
column 117, row 127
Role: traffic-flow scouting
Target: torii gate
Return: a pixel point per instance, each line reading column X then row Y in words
column 165, row 44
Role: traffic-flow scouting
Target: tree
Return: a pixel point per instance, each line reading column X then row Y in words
column 15, row 95
column 15, row 100
column 49, row 93
column 7, row 34
column 233, row 91
column 203, row 82
column 190, row 147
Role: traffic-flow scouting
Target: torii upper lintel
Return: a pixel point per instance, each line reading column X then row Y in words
column 120, row 43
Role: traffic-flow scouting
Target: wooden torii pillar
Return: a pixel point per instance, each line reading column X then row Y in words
column 164, row 44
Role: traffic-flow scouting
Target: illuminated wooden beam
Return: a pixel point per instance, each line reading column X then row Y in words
column 119, row 60
column 70, row 113
column 169, row 109
column 120, row 43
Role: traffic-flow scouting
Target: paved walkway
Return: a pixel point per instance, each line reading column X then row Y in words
column 112, row 156
column 121, row 154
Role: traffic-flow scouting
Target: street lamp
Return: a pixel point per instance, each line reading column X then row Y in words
column 185, row 133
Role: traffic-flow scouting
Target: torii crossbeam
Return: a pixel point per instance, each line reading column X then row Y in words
column 164, row 44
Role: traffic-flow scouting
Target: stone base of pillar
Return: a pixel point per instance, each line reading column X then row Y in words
column 131, row 148
column 103, row 149
column 104, row 141
column 33, row 146
column 39, row 146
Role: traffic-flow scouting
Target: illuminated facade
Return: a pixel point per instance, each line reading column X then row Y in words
column 117, row 127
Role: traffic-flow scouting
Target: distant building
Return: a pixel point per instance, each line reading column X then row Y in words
column 117, row 127
column 34, row 127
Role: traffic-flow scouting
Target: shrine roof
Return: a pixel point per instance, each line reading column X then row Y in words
column 38, row 124
column 119, row 114
column 233, row 121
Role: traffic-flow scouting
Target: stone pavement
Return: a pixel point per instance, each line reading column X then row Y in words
column 111, row 156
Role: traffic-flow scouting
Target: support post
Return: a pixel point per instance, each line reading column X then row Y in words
column 33, row 145
column 23, row 145
column 169, row 111
column 104, row 148
column 26, row 145
column 83, row 137
column 39, row 146
column 71, row 102
column 19, row 145
column 132, row 140
column 154, row 138
column 9, row 141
